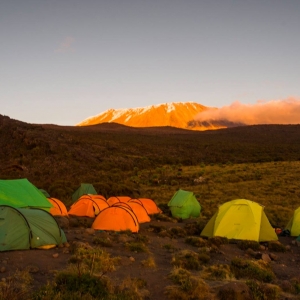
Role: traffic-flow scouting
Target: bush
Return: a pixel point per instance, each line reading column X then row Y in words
column 276, row 246
column 196, row 241
column 136, row 247
column 246, row 244
column 189, row 260
column 252, row 270
column 263, row 291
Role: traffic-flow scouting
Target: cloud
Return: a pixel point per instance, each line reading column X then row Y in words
column 285, row 111
column 66, row 45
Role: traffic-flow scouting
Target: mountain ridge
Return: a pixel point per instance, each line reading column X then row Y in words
column 174, row 114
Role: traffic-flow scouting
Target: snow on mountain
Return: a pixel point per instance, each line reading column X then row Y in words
column 179, row 114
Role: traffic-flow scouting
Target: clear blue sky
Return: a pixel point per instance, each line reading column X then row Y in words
column 62, row 61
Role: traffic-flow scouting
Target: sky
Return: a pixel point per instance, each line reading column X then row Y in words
column 62, row 61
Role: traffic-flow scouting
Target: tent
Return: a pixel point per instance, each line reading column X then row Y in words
column 58, row 209
column 116, row 218
column 84, row 189
column 114, row 199
column 22, row 193
column 88, row 206
column 240, row 219
column 184, row 205
column 25, row 228
column 137, row 208
column 149, row 205
column 294, row 224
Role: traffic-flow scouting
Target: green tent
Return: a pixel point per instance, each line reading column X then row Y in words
column 184, row 205
column 84, row 189
column 25, row 228
column 240, row 219
column 294, row 224
column 22, row 193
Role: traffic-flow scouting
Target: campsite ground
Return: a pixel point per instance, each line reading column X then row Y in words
column 161, row 247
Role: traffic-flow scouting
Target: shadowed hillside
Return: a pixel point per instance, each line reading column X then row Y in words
column 59, row 158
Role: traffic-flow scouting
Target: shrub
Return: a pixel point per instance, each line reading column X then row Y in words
column 263, row 291
column 246, row 244
column 217, row 272
column 149, row 263
column 196, row 241
column 177, row 232
column 104, row 242
column 136, row 247
column 187, row 287
column 276, row 246
column 189, row 260
column 252, row 270
column 218, row 241
column 16, row 286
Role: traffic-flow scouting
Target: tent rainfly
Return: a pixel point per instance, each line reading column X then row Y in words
column 184, row 205
column 294, row 224
column 84, row 189
column 22, row 193
column 240, row 219
column 26, row 228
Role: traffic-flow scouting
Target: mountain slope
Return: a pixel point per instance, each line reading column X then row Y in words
column 179, row 115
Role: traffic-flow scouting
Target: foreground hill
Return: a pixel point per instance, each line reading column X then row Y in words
column 180, row 115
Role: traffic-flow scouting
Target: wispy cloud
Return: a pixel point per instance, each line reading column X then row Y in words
column 286, row 111
column 66, row 45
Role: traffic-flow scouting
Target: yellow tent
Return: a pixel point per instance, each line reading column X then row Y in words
column 241, row 220
column 294, row 224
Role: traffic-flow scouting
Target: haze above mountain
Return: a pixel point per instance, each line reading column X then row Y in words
column 180, row 115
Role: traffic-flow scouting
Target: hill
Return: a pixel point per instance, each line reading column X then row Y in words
column 59, row 158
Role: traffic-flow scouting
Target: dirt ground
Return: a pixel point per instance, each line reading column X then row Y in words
column 42, row 264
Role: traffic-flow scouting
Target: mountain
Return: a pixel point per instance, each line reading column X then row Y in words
column 180, row 115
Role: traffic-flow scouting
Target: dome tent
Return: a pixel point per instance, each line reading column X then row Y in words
column 88, row 206
column 240, row 219
column 25, row 228
column 116, row 218
column 294, row 224
column 149, row 205
column 22, row 193
column 58, row 209
column 84, row 189
column 184, row 205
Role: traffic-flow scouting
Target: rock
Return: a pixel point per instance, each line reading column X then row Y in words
column 265, row 257
column 262, row 248
column 234, row 291
column 253, row 253
column 55, row 255
column 2, row 269
column 60, row 245
column 66, row 244
column 66, row 251
column 294, row 242
column 273, row 256
column 90, row 231
column 131, row 258
column 288, row 247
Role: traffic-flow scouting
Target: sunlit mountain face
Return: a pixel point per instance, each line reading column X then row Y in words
column 180, row 115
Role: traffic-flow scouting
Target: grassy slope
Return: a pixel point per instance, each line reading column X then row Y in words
column 260, row 163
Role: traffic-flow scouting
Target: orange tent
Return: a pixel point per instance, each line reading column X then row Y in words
column 58, row 209
column 138, row 210
column 148, row 204
column 116, row 218
column 114, row 199
column 88, row 206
